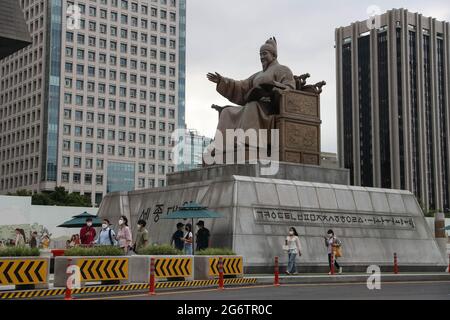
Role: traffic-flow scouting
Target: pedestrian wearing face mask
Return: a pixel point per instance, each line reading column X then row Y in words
column 333, row 243
column 141, row 236
column 107, row 236
column 87, row 233
column 188, row 240
column 293, row 247
column 124, row 235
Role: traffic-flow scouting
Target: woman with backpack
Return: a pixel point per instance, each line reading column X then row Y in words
column 333, row 245
column 106, row 237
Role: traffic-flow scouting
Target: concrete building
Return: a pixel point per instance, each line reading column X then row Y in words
column 14, row 33
column 393, row 104
column 194, row 146
column 92, row 103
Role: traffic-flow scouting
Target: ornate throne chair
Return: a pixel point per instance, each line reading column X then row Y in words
column 298, row 120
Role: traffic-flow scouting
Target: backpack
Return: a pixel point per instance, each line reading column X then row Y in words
column 110, row 237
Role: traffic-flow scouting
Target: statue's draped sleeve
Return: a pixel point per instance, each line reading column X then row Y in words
column 235, row 91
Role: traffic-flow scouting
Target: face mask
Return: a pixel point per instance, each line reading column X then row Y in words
column 104, row 226
column 120, row 222
column 330, row 236
column 291, row 233
column 89, row 224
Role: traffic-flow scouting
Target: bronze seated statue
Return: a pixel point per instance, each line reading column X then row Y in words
column 272, row 99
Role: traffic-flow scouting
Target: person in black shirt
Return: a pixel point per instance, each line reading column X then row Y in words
column 202, row 236
column 177, row 237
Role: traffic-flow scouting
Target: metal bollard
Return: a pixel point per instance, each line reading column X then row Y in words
column 68, row 294
column 221, row 282
column 395, row 263
column 152, row 277
column 277, row 273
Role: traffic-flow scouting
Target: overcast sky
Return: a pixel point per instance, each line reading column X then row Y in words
column 225, row 36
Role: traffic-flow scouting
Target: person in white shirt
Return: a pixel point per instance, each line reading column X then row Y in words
column 332, row 241
column 293, row 248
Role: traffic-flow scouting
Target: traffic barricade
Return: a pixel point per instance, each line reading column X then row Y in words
column 106, row 270
column 24, row 272
column 207, row 267
column 175, row 268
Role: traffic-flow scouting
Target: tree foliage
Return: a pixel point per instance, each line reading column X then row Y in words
column 58, row 197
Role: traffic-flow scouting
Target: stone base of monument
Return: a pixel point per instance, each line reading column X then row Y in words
column 372, row 224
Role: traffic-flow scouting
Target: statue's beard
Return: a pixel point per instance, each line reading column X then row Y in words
column 266, row 64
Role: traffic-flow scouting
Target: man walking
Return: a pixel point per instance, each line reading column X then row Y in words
column 87, row 233
column 107, row 236
column 203, row 236
column 177, row 237
column 141, row 236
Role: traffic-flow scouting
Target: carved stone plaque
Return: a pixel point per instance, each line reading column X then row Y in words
column 302, row 137
column 294, row 157
column 310, row 159
column 301, row 104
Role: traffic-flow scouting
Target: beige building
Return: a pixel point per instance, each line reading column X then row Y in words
column 92, row 103
column 393, row 104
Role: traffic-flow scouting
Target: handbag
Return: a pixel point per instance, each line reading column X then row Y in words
column 337, row 251
column 285, row 247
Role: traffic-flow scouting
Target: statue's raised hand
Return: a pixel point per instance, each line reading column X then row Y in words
column 214, row 77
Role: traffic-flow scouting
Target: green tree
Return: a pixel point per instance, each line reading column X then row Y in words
column 41, row 199
column 21, row 193
column 59, row 196
column 77, row 200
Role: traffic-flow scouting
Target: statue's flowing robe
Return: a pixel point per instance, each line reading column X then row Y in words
column 252, row 112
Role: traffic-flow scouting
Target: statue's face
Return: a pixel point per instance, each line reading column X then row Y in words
column 266, row 58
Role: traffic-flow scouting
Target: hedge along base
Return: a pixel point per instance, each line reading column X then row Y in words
column 106, row 270
column 207, row 267
column 173, row 268
column 25, row 273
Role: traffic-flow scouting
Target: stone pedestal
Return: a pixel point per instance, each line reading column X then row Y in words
column 372, row 224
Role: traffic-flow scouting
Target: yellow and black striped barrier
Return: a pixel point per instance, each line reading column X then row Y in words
column 103, row 269
column 231, row 266
column 121, row 288
column 173, row 267
column 23, row 271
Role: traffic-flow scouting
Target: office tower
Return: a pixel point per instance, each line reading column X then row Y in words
column 393, row 104
column 91, row 104
column 192, row 147
column 14, row 33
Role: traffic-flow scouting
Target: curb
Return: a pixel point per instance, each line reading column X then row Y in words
column 326, row 279
column 121, row 288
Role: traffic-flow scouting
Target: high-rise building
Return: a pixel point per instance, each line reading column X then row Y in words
column 92, row 103
column 393, row 91
column 14, row 33
column 193, row 146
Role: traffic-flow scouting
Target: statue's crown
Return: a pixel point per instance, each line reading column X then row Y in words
column 271, row 45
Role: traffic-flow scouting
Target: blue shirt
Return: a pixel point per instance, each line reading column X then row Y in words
column 104, row 239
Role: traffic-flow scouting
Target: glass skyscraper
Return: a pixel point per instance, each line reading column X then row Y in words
column 393, row 104
column 92, row 103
